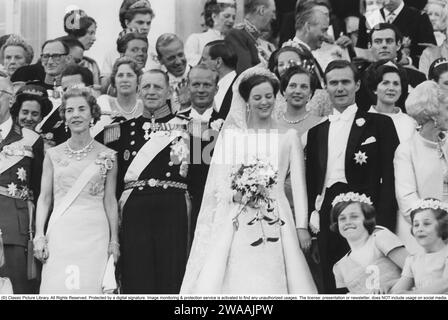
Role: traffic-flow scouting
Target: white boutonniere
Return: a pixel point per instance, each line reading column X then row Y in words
column 217, row 124
column 360, row 122
column 48, row 136
column 360, row 158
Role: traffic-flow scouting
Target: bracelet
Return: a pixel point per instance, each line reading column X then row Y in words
column 114, row 243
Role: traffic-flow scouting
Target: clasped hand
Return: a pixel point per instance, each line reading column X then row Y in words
column 41, row 248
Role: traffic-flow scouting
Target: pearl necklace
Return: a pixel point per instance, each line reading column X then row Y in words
column 294, row 121
column 128, row 112
column 78, row 154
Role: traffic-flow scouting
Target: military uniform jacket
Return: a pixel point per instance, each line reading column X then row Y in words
column 21, row 179
column 199, row 165
column 128, row 138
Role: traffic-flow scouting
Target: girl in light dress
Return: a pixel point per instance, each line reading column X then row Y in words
column 427, row 272
column 376, row 255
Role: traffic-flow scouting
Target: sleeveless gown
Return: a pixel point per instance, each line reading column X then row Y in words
column 78, row 240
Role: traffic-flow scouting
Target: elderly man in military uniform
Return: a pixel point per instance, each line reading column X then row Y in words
column 153, row 166
column 21, row 156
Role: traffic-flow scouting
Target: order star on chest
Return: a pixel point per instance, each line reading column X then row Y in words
column 360, row 158
column 21, row 174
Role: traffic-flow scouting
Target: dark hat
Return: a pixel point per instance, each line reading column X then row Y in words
column 32, row 92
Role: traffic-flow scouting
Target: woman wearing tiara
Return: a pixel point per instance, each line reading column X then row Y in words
column 421, row 163
column 219, row 18
column 79, row 179
column 243, row 245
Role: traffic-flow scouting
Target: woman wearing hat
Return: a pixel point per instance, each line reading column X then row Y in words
column 31, row 106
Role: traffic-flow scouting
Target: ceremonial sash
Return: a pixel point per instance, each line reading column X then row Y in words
column 145, row 155
column 16, row 151
column 56, row 104
column 72, row 194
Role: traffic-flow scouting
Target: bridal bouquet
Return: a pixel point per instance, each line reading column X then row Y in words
column 254, row 183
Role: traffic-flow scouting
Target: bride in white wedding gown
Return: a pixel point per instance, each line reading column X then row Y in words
column 223, row 258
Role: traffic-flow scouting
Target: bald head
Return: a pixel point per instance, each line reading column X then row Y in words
column 6, row 95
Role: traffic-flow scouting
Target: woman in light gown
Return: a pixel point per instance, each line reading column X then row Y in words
column 222, row 259
column 79, row 179
column 421, row 162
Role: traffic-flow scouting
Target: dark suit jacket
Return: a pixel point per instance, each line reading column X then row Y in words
column 415, row 25
column 14, row 215
column 245, row 48
column 374, row 178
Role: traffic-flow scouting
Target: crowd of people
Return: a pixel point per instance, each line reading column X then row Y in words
column 298, row 157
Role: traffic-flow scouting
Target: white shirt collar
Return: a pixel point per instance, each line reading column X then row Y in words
column 205, row 117
column 349, row 111
column 397, row 110
column 396, row 11
column 6, row 127
column 296, row 39
column 173, row 78
column 223, row 85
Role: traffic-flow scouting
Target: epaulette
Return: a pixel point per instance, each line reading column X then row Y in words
column 111, row 133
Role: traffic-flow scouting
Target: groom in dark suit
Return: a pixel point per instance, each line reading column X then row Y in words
column 352, row 151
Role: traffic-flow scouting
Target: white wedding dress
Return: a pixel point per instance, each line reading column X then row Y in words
column 222, row 259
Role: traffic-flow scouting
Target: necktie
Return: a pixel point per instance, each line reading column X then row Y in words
column 391, row 17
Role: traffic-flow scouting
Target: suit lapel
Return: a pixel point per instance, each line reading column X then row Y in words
column 15, row 134
column 323, row 146
column 355, row 134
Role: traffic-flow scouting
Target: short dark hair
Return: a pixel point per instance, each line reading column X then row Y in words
column 386, row 26
column 441, row 217
column 250, row 6
column 376, row 72
column 125, row 60
column 76, row 23
column 284, row 80
column 203, row 66
column 368, row 211
column 248, row 84
column 212, row 7
column 66, row 48
column 128, row 11
column 437, row 68
column 75, row 69
column 342, row 64
column 122, row 42
column 156, row 71
column 273, row 59
column 219, row 49
column 71, row 42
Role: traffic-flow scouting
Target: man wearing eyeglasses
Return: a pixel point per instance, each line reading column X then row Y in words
column 21, row 156
column 54, row 58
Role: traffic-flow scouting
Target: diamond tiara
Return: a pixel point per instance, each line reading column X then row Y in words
column 33, row 92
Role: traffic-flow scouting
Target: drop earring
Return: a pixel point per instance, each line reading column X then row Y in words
column 436, row 124
column 66, row 127
column 91, row 123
